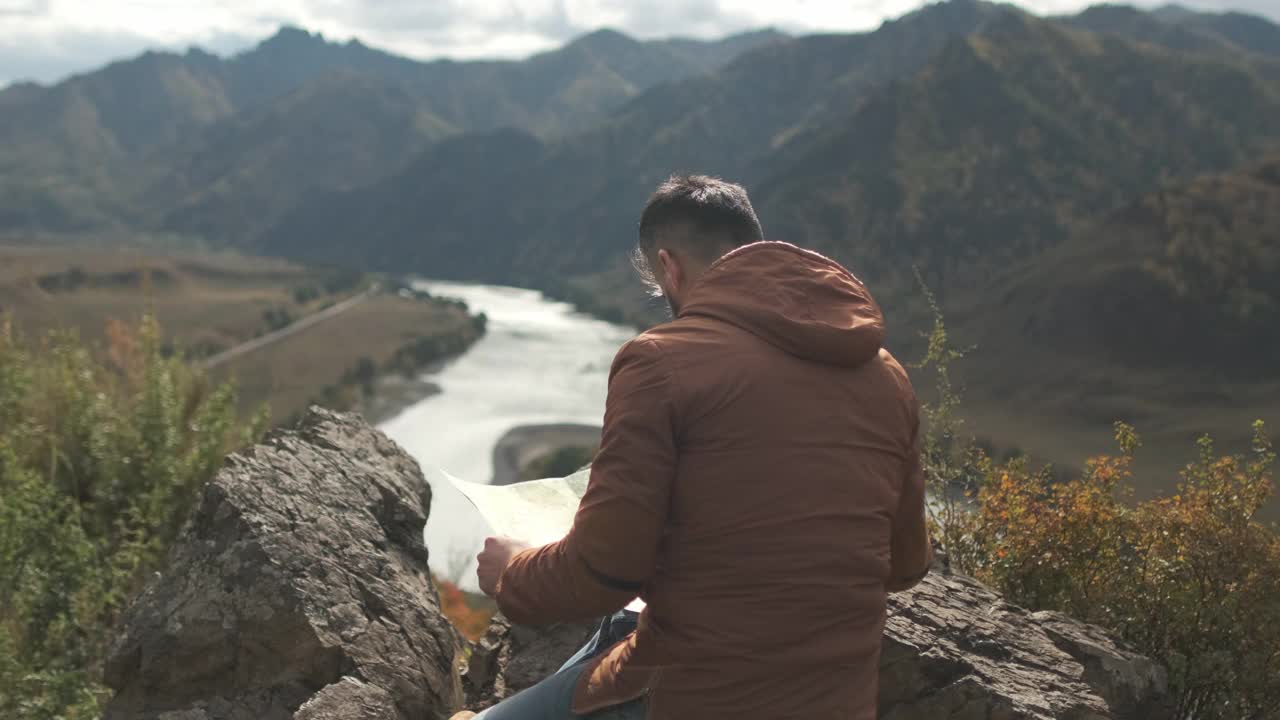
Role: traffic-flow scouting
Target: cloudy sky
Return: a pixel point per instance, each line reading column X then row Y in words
column 46, row 40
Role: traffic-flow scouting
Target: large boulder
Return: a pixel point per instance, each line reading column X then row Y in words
column 300, row 590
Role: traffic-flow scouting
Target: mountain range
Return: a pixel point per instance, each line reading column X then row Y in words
column 205, row 147
column 1095, row 198
column 972, row 141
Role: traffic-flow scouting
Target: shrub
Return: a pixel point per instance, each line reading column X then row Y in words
column 99, row 461
column 1192, row 579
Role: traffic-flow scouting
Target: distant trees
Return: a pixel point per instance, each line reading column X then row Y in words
column 100, row 460
column 424, row 350
column 305, row 294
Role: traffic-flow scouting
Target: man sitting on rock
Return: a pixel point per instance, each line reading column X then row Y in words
column 758, row 485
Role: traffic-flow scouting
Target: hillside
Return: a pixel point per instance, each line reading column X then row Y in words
column 1162, row 314
column 337, row 133
column 1178, row 28
column 1195, row 265
column 1009, row 141
column 100, row 150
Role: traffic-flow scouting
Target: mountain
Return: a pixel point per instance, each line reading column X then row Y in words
column 960, row 138
column 293, row 58
column 569, row 205
column 572, row 88
column 64, row 150
column 1178, row 28
column 128, row 146
column 1010, row 140
column 1161, row 313
column 337, row 133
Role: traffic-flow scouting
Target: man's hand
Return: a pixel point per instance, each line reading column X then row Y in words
column 494, row 559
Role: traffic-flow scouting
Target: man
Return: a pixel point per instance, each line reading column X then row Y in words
column 758, row 485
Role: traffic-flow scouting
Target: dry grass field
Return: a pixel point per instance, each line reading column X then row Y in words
column 292, row 372
column 207, row 303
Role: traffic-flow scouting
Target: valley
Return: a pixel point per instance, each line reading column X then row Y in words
column 1091, row 196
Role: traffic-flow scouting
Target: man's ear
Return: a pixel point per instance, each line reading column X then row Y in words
column 672, row 270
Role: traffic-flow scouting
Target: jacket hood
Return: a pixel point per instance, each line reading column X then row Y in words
column 802, row 302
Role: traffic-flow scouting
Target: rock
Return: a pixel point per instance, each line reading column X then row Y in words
column 953, row 650
column 1133, row 685
column 300, row 590
column 510, row 658
column 348, row 699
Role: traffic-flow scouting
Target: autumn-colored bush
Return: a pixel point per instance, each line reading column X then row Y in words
column 468, row 612
column 1191, row 579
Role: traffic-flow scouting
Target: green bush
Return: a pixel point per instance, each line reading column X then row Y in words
column 100, row 460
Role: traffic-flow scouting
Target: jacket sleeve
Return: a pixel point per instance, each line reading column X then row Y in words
column 911, row 553
column 611, row 550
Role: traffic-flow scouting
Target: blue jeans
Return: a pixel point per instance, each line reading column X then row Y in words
column 552, row 699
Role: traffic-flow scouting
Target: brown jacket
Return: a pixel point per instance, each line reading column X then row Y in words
column 759, row 486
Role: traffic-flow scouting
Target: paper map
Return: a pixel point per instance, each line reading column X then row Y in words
column 535, row 511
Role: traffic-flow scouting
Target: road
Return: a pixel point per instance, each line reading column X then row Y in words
column 276, row 336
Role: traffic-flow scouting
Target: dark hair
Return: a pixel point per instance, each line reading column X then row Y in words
column 717, row 213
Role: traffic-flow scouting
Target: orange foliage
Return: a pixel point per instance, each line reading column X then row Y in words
column 469, row 613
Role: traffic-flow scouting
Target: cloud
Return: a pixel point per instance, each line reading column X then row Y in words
column 53, row 56
column 1266, row 8
column 47, row 39
column 26, row 8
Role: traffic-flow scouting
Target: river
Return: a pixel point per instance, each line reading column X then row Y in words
column 540, row 362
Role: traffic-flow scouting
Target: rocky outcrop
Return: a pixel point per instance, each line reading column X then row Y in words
column 300, row 590
column 953, row 650
column 510, row 658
